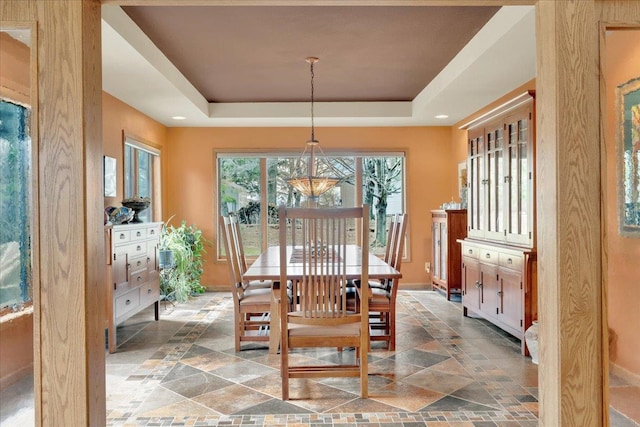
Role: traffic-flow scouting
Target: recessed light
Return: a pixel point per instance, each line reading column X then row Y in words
column 442, row 116
column 179, row 118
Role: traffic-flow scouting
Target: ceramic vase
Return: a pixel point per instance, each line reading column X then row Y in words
column 531, row 338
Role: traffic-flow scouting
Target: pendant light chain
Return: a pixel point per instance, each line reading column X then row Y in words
column 312, row 127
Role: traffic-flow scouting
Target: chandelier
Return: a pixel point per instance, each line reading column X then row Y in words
column 306, row 178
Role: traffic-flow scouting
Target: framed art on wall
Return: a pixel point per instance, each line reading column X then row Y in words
column 109, row 176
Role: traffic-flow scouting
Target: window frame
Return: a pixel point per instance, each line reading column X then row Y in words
column 139, row 144
column 264, row 155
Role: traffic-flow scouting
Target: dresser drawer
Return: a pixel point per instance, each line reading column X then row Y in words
column 470, row 251
column 127, row 302
column 137, row 249
column 154, row 231
column 138, row 234
column 149, row 293
column 513, row 262
column 138, row 277
column 138, row 263
column 120, row 236
column 490, row 256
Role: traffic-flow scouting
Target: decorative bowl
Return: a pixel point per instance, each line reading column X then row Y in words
column 119, row 215
column 137, row 206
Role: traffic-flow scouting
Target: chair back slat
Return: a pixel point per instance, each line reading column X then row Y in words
column 321, row 251
column 235, row 275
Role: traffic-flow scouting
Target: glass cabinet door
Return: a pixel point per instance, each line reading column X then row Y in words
column 494, row 183
column 476, row 193
column 443, row 251
column 436, row 250
column 518, row 179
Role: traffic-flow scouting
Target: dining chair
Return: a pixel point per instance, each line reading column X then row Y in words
column 252, row 305
column 319, row 317
column 238, row 252
column 382, row 299
column 383, row 292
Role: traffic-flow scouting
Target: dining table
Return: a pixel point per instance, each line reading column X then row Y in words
column 267, row 267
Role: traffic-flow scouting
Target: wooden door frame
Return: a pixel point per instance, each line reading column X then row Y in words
column 568, row 141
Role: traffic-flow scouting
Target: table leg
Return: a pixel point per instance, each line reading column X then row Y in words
column 274, row 324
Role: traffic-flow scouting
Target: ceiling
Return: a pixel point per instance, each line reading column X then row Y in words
column 379, row 65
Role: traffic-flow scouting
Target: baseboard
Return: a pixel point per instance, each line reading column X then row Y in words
column 415, row 287
column 625, row 374
column 15, row 376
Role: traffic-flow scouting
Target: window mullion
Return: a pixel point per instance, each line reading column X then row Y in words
column 264, row 205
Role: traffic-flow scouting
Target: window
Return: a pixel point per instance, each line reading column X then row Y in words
column 252, row 183
column 15, row 206
column 141, row 169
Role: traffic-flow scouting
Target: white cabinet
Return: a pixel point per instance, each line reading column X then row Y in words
column 133, row 279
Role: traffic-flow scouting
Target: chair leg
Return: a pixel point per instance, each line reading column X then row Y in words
column 239, row 326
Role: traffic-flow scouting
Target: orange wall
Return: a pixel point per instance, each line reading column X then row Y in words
column 190, row 187
column 623, row 275
column 118, row 117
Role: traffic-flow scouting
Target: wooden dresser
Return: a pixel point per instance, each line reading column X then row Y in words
column 133, row 274
column 499, row 263
column 448, row 226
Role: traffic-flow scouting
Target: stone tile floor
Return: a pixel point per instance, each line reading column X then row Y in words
column 447, row 370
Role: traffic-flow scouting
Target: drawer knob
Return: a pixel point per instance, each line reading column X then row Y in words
column 138, row 248
column 139, row 278
column 152, row 232
column 509, row 261
column 149, row 290
column 488, row 255
column 139, row 263
column 127, row 302
column 138, row 234
column 121, row 236
column 470, row 251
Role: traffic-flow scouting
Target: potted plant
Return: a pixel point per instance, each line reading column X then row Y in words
column 181, row 250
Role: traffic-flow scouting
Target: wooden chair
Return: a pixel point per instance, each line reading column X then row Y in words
column 382, row 300
column 251, row 305
column 319, row 317
column 238, row 252
column 382, row 296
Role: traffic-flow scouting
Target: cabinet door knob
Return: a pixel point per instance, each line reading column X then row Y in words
column 127, row 302
column 499, row 293
column 477, row 284
column 149, row 290
column 139, row 278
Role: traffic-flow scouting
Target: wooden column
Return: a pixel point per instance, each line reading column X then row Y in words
column 569, row 194
column 68, row 295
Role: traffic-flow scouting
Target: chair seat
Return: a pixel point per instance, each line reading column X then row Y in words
column 256, row 296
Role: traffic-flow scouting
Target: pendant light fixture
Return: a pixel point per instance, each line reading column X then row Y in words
column 306, row 177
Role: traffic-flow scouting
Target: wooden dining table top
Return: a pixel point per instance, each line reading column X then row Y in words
column 267, row 265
